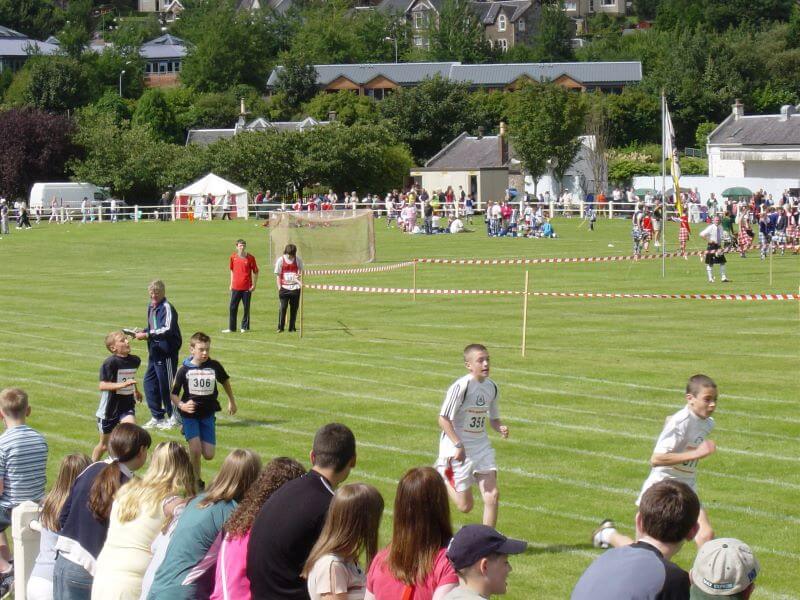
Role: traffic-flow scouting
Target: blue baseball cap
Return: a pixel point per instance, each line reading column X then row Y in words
column 474, row 542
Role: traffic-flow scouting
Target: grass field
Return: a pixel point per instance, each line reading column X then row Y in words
column 584, row 407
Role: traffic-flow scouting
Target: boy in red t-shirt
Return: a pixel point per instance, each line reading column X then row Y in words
column 244, row 274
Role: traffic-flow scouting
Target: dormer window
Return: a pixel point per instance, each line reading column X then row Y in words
column 501, row 22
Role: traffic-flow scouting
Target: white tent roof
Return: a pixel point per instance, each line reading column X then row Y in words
column 211, row 184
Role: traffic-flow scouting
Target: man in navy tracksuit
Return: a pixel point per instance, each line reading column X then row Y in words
column 163, row 344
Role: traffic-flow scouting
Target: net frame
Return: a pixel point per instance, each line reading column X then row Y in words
column 324, row 237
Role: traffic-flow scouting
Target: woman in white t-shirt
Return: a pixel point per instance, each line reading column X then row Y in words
column 351, row 527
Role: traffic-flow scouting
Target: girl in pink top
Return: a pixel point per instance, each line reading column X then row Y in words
column 231, row 582
column 414, row 565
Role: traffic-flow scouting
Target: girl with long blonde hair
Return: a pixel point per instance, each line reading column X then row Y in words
column 40, row 584
column 140, row 509
column 187, row 571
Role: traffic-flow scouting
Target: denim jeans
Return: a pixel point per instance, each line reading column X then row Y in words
column 71, row 581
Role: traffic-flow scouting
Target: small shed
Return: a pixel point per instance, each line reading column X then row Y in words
column 480, row 165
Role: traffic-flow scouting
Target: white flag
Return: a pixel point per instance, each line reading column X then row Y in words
column 671, row 153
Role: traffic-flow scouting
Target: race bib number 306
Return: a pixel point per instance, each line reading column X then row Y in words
column 201, row 382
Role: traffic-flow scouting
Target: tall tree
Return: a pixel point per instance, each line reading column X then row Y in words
column 35, row 18
column 57, row 83
column 430, row 115
column 458, row 35
column 552, row 43
column 36, row 146
column 546, row 121
column 152, row 109
column 297, row 80
column 597, row 147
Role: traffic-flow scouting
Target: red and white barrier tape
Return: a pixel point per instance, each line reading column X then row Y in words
column 357, row 270
column 581, row 259
column 605, row 295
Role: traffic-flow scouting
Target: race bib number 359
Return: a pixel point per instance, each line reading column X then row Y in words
column 475, row 422
column 201, row 382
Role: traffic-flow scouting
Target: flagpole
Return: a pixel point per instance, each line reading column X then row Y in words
column 663, row 187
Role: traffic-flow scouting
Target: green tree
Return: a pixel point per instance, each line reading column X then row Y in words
column 228, row 47
column 646, row 9
column 490, row 107
column 152, row 110
column 702, row 133
column 430, row 115
column 634, row 115
column 458, row 35
column 57, row 83
column 552, row 43
column 546, row 121
column 349, row 107
column 36, row 18
column 78, row 27
column 297, row 80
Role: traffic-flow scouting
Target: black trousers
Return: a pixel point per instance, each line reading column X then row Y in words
column 290, row 299
column 244, row 297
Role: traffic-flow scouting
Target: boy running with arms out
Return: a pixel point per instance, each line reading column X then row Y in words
column 466, row 456
column 119, row 390
column 197, row 378
column 680, row 446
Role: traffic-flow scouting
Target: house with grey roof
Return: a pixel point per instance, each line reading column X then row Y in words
column 205, row 137
column 163, row 58
column 378, row 80
column 480, row 165
column 16, row 48
column 766, row 146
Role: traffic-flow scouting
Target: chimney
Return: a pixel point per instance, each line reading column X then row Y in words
column 240, row 123
column 738, row 110
column 502, row 139
column 242, row 111
column 481, row 131
column 787, row 110
column 332, row 116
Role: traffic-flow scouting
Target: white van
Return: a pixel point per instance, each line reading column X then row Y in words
column 67, row 194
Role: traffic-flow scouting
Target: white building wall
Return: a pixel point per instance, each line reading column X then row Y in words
column 439, row 180
column 771, row 169
column 717, row 167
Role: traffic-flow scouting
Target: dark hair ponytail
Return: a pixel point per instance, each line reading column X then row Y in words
column 125, row 443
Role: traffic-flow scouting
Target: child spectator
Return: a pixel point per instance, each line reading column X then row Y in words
column 197, row 381
column 415, row 561
column 680, row 446
column 726, row 568
column 351, row 528
column 466, row 456
column 40, row 584
column 667, row 517
column 23, row 460
column 137, row 515
column 479, row 554
column 231, row 572
column 290, row 522
column 84, row 519
column 119, row 390
column 187, row 572
column 547, row 229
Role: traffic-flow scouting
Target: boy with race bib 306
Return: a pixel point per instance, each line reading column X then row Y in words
column 197, row 379
column 466, row 456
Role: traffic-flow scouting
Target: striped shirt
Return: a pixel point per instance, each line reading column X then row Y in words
column 23, row 459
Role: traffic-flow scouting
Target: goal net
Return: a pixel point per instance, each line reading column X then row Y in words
column 324, row 237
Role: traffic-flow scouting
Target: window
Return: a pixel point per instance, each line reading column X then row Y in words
column 420, row 20
column 571, row 5
column 419, row 41
column 608, row 2
column 501, row 22
column 503, row 45
column 521, row 24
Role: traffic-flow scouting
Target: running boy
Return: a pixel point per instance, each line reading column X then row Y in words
column 197, row 378
column 680, row 446
column 119, row 390
column 465, row 454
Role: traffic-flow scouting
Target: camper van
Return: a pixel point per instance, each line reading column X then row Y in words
column 67, row 194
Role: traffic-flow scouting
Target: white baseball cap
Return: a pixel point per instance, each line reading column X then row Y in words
column 723, row 567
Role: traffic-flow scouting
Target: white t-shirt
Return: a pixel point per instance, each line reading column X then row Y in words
column 331, row 575
column 456, row 226
column 684, row 431
column 712, row 234
column 470, row 405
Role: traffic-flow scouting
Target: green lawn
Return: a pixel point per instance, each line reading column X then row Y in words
column 584, row 407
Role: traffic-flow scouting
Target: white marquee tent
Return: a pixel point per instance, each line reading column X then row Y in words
column 217, row 187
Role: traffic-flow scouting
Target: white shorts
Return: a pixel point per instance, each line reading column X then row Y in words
column 650, row 481
column 463, row 474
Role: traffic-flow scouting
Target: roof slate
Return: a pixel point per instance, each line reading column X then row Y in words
column 469, row 152
column 767, row 130
column 588, row 73
column 204, row 137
